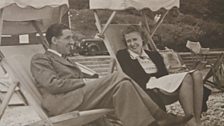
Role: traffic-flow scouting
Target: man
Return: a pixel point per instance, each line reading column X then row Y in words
column 63, row 88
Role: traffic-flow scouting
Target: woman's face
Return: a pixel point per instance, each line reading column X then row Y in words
column 134, row 42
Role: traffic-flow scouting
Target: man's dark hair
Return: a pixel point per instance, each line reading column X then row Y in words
column 55, row 30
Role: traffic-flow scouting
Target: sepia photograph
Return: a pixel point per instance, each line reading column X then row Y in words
column 111, row 63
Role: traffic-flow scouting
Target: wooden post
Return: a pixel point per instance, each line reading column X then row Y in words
column 1, row 25
column 159, row 23
column 106, row 41
column 69, row 20
column 149, row 37
column 108, row 22
column 98, row 23
column 43, row 39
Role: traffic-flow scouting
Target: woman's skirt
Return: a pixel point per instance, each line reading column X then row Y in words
column 169, row 83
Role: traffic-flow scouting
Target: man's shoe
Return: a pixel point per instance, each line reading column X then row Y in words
column 173, row 120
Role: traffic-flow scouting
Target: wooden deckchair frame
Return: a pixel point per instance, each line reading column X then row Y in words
column 113, row 36
column 16, row 70
column 25, row 87
column 16, row 50
column 102, row 29
column 113, row 39
column 33, row 98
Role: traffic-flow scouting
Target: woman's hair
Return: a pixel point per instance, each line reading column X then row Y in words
column 55, row 30
column 135, row 28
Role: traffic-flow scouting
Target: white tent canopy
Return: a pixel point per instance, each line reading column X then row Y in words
column 137, row 4
column 15, row 15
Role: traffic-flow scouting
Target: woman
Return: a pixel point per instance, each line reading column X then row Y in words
column 147, row 67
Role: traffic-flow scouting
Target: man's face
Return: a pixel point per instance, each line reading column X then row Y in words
column 64, row 42
column 134, row 41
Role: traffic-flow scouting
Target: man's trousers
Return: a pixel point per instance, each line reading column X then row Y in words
column 131, row 104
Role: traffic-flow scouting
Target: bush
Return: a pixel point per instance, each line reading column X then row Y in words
column 79, row 4
column 213, row 35
column 173, row 33
column 175, row 36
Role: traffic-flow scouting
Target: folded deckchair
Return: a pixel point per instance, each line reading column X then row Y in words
column 200, row 57
column 18, row 67
column 216, row 72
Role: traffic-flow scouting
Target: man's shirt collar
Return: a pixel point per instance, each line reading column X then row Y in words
column 55, row 52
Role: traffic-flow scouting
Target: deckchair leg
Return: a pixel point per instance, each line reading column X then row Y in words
column 112, row 65
column 7, row 98
column 208, row 75
column 21, row 95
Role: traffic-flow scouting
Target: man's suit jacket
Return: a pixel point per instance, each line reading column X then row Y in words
column 59, row 82
column 134, row 70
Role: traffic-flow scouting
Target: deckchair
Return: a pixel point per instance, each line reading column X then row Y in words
column 154, row 5
column 23, row 17
column 114, row 35
column 115, row 7
column 18, row 65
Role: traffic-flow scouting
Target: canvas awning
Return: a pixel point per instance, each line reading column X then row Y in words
column 153, row 5
column 16, row 15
